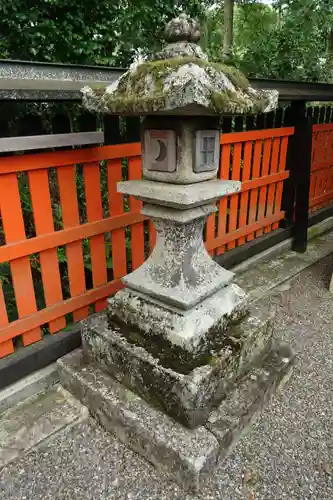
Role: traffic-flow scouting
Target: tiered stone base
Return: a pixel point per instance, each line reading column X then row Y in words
column 180, row 422
column 187, row 456
column 186, row 395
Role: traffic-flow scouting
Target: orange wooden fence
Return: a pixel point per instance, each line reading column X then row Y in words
column 257, row 158
column 321, row 187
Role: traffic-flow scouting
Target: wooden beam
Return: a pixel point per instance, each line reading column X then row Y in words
column 253, row 135
column 9, row 144
column 22, row 248
column 22, row 163
column 55, row 311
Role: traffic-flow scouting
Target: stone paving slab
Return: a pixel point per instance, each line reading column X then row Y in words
column 287, row 455
column 28, row 386
column 261, row 279
column 31, row 421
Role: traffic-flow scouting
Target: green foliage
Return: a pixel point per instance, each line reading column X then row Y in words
column 76, row 31
column 286, row 39
column 289, row 39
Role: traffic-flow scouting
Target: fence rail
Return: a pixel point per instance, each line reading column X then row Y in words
column 19, row 249
column 48, row 141
column 258, row 159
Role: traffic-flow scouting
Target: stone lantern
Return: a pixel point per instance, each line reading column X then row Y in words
column 179, row 363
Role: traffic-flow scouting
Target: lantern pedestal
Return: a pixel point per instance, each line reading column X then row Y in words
column 180, row 302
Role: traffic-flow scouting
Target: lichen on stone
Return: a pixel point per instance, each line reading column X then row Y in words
column 180, row 80
column 236, row 103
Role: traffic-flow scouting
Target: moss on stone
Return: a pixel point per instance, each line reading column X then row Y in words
column 235, row 103
column 220, row 337
column 314, row 232
column 131, row 93
column 98, row 88
column 235, row 76
column 158, row 70
column 229, row 100
column 142, row 90
column 134, row 103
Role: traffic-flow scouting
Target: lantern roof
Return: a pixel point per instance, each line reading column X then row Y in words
column 180, row 80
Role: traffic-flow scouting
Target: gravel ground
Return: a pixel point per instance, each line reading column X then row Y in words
column 288, row 454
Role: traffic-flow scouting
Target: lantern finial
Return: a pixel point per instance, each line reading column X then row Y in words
column 182, row 29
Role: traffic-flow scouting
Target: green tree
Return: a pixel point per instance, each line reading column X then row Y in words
column 77, row 31
column 289, row 39
column 302, row 35
column 228, row 9
column 255, row 38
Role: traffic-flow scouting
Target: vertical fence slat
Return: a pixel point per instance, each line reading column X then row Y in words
column 116, row 206
column 6, row 347
column 325, row 144
column 263, row 190
column 329, row 155
column 253, row 208
column 321, row 182
column 329, row 159
column 12, row 219
column 274, row 166
column 70, row 217
column 235, row 176
column 322, row 114
column 313, row 175
column 92, row 187
column 244, row 197
column 318, row 173
column 137, row 230
column 43, row 218
column 315, row 114
column 223, row 203
column 279, row 187
column 323, row 158
column 327, row 178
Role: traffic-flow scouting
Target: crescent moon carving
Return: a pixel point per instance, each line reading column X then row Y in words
column 162, row 152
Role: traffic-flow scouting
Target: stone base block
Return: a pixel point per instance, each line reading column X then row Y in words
column 248, row 398
column 185, row 337
column 186, row 456
column 188, row 397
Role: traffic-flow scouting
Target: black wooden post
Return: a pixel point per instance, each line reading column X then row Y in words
column 226, row 125
column 260, row 121
column 269, row 119
column 132, row 129
column 239, row 124
column 278, row 118
column 295, row 199
column 249, row 122
column 87, row 122
column 61, row 124
column 322, row 113
column 111, row 129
